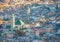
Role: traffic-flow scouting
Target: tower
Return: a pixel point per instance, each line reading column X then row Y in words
column 13, row 21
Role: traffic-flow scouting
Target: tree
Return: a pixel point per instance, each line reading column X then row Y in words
column 20, row 33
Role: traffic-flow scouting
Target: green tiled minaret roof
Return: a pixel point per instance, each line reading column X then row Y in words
column 17, row 22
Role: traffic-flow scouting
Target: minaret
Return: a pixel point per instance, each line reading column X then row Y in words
column 13, row 21
column 28, row 10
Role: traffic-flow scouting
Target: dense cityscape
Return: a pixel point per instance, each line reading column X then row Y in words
column 29, row 20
